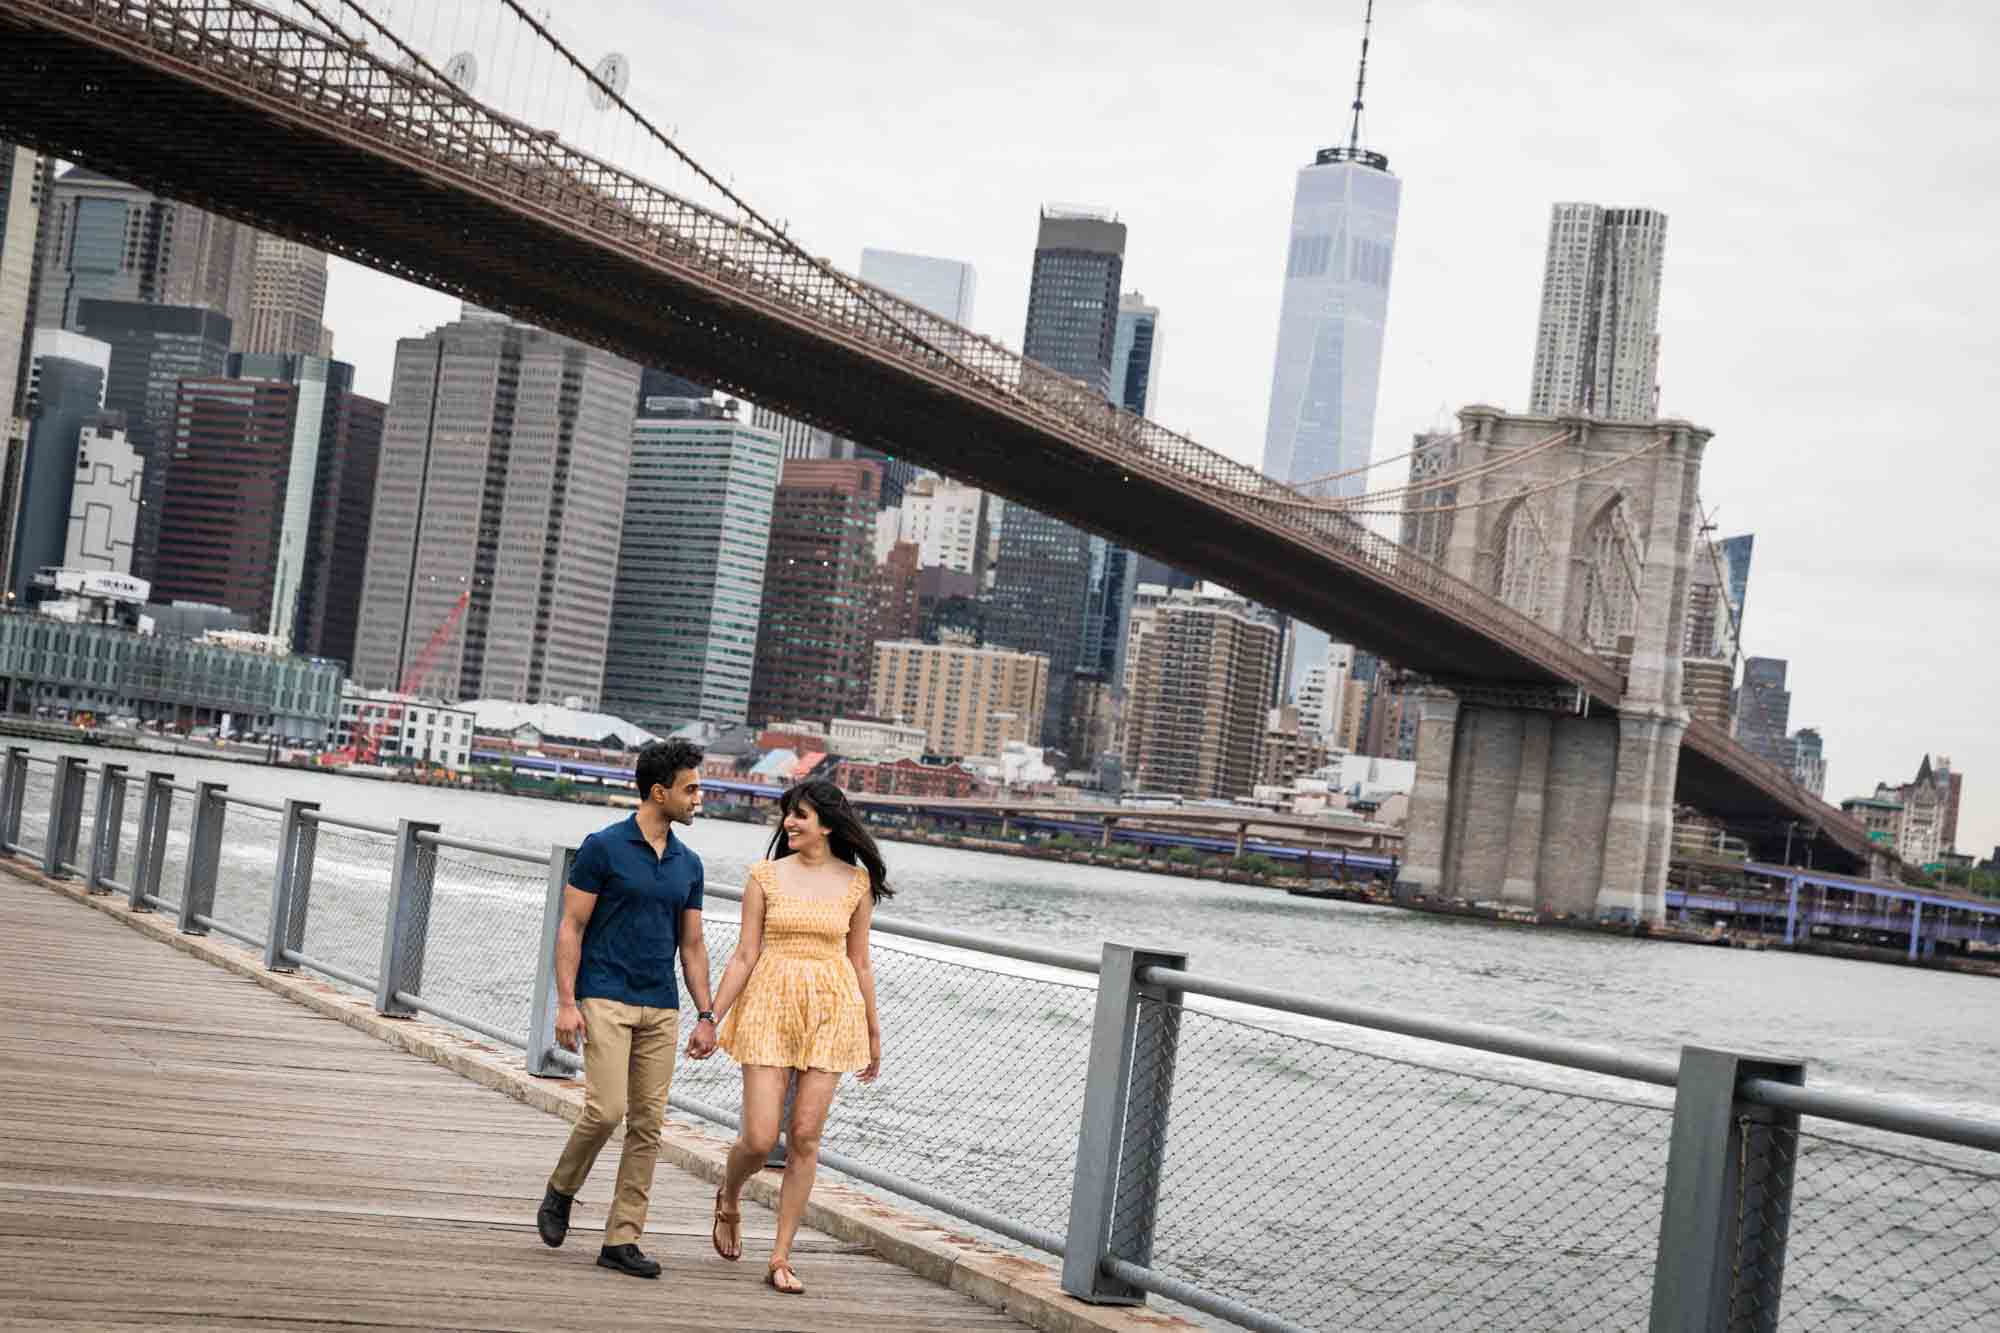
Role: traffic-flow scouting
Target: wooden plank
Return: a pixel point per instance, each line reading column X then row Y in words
column 186, row 1150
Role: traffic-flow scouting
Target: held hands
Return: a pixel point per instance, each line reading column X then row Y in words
column 570, row 1034
column 701, row 1042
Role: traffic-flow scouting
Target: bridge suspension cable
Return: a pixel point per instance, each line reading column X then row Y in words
column 1524, row 493
column 1377, row 463
column 770, row 229
column 1722, row 582
column 1469, row 473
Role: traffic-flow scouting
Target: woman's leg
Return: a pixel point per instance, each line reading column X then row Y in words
column 809, row 1108
column 763, row 1096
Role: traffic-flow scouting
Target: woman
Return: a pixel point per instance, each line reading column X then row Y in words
column 798, row 995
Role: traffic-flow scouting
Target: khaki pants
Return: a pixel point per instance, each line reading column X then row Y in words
column 628, row 1065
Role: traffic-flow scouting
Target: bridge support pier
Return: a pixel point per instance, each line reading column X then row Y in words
column 1430, row 792
column 1639, row 832
column 1542, row 810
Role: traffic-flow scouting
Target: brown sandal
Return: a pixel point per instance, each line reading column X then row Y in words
column 791, row 1286
column 724, row 1217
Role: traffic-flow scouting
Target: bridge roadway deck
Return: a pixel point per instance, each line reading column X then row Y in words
column 184, row 1149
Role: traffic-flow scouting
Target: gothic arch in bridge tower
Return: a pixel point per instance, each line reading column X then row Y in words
column 1521, row 559
column 1612, row 563
column 1536, row 802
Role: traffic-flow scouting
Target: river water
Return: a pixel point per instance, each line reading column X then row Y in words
column 1291, row 1138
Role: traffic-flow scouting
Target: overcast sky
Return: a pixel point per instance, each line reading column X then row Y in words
column 1829, row 168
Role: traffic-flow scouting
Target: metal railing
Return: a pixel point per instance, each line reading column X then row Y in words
column 1276, row 1160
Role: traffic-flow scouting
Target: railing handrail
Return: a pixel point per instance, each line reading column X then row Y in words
column 1472, row 1036
column 1875, row 1112
column 1066, row 960
column 446, row 841
column 253, row 802
column 337, row 821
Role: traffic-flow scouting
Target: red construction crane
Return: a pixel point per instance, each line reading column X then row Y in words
column 366, row 746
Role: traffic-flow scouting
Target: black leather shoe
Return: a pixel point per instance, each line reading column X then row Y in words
column 552, row 1218
column 627, row 1259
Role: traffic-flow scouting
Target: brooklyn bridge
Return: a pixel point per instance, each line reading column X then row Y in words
column 1554, row 746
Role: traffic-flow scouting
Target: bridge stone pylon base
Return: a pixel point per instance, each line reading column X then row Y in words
column 1541, row 809
column 1538, row 797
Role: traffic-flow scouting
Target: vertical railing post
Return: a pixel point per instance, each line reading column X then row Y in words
column 65, row 814
column 150, row 853
column 101, row 865
column 542, row 1016
column 13, row 790
column 204, row 858
column 1727, row 1211
column 291, row 887
column 406, row 927
column 1123, row 1134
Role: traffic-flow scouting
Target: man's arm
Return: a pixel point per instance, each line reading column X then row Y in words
column 694, row 967
column 577, row 907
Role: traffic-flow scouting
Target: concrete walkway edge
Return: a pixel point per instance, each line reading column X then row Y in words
column 1019, row 1287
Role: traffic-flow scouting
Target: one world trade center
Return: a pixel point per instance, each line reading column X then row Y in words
column 1330, row 324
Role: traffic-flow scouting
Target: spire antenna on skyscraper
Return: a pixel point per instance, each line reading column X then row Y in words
column 1352, row 151
column 1361, row 81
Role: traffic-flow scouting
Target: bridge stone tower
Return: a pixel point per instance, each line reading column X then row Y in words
column 1533, row 797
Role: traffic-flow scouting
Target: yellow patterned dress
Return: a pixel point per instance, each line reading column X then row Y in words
column 802, row 1007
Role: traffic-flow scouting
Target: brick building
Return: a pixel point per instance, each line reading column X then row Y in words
column 813, row 658
column 907, row 777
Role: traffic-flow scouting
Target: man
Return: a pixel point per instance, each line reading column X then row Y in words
column 632, row 901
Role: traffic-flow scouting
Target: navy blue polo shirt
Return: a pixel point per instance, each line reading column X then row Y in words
column 633, row 936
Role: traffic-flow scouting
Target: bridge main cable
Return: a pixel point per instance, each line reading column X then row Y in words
column 1467, row 473
column 1475, row 504
column 770, row 229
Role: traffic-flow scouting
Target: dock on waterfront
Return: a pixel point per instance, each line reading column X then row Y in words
column 186, row 1149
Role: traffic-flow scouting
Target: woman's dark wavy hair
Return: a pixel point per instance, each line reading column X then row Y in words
column 846, row 835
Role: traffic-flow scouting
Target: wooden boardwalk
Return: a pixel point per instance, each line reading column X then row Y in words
column 180, row 1148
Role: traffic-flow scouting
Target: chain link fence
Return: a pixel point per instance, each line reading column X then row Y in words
column 485, row 930
column 86, row 822
column 348, row 901
column 1879, row 1239
column 982, row 1083
column 123, row 860
column 37, row 791
column 173, row 860
column 1344, row 1189
column 244, row 872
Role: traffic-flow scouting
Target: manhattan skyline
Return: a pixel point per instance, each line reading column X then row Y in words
column 1772, row 145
